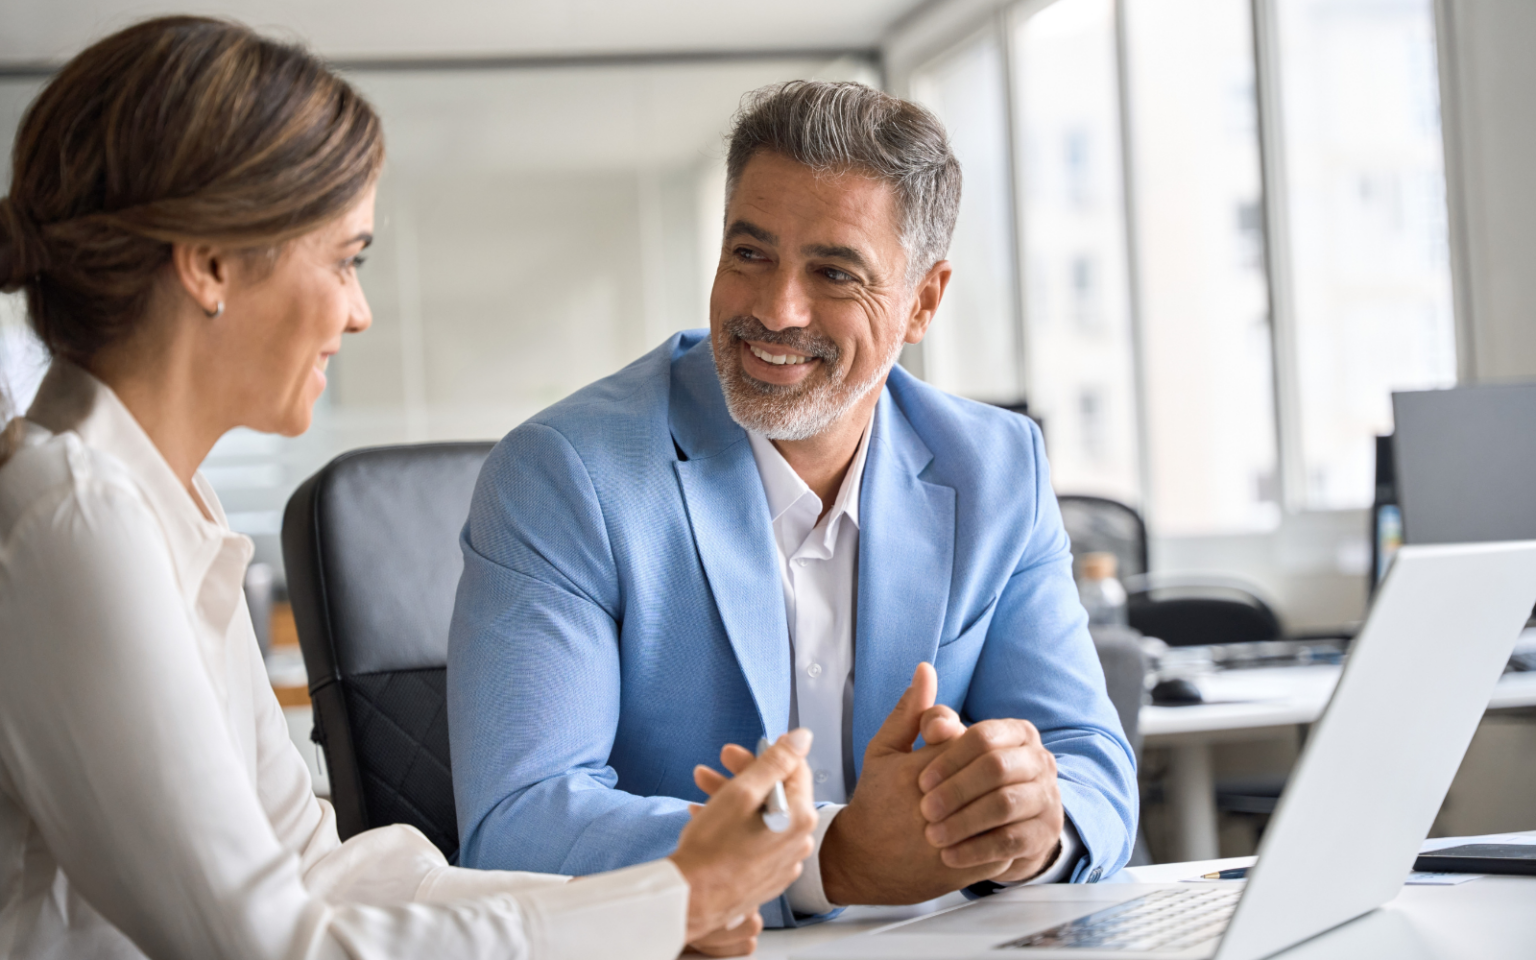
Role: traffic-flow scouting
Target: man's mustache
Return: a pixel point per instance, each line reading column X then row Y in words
column 796, row 338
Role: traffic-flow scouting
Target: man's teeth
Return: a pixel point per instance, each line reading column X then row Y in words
column 780, row 358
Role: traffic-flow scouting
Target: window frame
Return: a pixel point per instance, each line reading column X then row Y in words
column 938, row 30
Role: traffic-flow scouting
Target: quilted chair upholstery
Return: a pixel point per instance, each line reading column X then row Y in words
column 371, row 549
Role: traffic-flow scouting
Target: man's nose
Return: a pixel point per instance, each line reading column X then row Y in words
column 784, row 301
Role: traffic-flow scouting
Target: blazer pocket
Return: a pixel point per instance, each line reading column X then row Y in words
column 978, row 625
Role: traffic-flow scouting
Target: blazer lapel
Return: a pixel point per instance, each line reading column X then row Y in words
column 906, row 558
column 732, row 531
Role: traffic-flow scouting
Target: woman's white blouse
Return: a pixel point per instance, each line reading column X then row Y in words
column 151, row 802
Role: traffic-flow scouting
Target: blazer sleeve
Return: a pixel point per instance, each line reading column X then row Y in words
column 1038, row 662
column 534, row 675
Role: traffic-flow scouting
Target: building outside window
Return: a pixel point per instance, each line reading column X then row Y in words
column 1366, row 215
column 1080, row 360
column 1182, row 173
column 972, row 346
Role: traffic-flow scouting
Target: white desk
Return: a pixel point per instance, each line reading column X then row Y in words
column 1490, row 919
column 1274, row 701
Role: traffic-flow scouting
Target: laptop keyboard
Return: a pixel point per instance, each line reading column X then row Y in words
column 1164, row 920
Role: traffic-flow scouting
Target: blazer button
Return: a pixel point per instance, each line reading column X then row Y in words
column 1095, row 874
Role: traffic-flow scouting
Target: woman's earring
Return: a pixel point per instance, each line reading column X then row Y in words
column 216, row 312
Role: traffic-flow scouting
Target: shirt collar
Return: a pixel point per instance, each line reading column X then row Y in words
column 784, row 487
column 71, row 399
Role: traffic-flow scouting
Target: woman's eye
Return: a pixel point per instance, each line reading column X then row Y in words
column 354, row 263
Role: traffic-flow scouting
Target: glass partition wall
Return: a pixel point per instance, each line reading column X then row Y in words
column 537, row 228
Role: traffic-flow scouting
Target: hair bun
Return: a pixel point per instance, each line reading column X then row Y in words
column 21, row 247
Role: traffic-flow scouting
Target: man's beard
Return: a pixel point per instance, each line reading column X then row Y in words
column 790, row 412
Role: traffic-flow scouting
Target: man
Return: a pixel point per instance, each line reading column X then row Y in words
column 775, row 525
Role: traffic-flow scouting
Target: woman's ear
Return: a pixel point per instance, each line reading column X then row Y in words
column 203, row 273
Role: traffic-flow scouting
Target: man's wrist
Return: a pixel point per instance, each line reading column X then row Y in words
column 807, row 895
column 837, row 883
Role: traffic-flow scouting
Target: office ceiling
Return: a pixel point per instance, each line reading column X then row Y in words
column 50, row 31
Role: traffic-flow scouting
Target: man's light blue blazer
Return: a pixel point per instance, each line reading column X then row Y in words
column 620, row 615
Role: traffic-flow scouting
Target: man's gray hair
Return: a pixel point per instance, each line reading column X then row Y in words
column 836, row 127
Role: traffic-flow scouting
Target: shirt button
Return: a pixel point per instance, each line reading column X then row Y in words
column 800, row 562
column 814, row 670
column 821, row 776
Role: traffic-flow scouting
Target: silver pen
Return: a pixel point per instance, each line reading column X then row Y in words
column 776, row 807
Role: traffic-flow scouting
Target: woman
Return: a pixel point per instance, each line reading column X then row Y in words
column 188, row 209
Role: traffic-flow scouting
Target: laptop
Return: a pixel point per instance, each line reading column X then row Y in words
column 1344, row 837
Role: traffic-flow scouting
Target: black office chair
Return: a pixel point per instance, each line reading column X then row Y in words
column 1200, row 614
column 1179, row 611
column 1102, row 525
column 371, row 547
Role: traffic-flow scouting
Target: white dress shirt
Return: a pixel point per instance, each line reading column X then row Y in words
column 819, row 570
column 151, row 802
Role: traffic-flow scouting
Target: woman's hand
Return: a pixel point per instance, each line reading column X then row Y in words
column 732, row 862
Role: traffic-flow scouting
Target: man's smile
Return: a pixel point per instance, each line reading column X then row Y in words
column 778, row 358
column 775, row 363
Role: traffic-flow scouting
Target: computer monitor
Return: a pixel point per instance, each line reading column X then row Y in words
column 1386, row 515
column 1466, row 463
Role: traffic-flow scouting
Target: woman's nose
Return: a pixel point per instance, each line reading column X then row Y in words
column 361, row 317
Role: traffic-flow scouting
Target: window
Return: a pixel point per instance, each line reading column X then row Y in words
column 972, row 346
column 1080, row 358
column 1204, row 296
column 1145, row 270
column 1365, row 191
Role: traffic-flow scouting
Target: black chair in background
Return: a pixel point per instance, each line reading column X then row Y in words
column 1102, row 525
column 371, row 546
column 1180, row 611
column 1199, row 614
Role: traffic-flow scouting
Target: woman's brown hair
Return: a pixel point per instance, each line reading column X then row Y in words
column 175, row 129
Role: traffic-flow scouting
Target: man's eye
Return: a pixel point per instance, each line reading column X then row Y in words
column 747, row 253
column 836, row 275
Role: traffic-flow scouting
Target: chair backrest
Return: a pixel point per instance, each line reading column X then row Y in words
column 372, row 554
column 1102, row 525
column 1185, row 621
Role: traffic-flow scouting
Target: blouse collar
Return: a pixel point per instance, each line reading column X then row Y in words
column 208, row 557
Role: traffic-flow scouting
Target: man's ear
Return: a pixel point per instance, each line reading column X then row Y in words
column 926, row 298
column 202, row 270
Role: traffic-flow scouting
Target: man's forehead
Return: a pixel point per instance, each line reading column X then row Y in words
column 831, row 208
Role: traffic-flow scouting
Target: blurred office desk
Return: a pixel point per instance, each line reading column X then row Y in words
column 1251, row 704
column 1489, row 918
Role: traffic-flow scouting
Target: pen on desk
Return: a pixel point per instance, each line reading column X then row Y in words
column 776, row 807
column 1236, row 873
